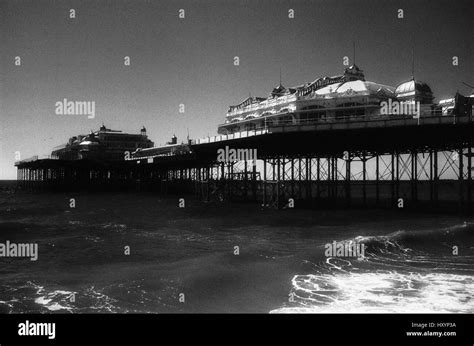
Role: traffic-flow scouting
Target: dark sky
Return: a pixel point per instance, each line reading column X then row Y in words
column 190, row 60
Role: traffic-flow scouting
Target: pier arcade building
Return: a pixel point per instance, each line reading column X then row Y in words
column 345, row 97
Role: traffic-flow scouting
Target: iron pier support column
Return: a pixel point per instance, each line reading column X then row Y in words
column 334, row 178
column 364, row 178
column 377, row 179
column 461, row 178
column 469, row 178
column 278, row 184
column 309, row 178
column 414, row 175
column 392, row 166
column 307, row 185
column 208, row 190
column 283, row 187
column 245, row 180
column 348, row 178
column 431, row 178
column 435, row 178
column 292, row 178
column 231, row 178
column 264, row 192
column 397, row 174
column 318, row 178
column 254, row 180
column 328, row 180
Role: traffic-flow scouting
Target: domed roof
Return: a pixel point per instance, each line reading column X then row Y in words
column 415, row 90
column 357, row 87
column 413, row 86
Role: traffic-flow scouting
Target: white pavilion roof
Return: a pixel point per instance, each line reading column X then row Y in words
column 356, row 87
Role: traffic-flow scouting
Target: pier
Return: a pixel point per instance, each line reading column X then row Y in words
column 385, row 162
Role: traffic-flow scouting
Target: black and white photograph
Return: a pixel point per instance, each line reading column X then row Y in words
column 290, row 168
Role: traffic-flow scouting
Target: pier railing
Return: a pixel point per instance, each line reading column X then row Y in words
column 256, row 132
column 351, row 121
column 36, row 158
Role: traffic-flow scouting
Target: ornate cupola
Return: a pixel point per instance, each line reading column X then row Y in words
column 143, row 131
column 353, row 73
column 278, row 91
column 414, row 90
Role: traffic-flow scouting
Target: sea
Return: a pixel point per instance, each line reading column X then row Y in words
column 130, row 252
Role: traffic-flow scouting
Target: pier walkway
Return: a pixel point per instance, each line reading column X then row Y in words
column 398, row 162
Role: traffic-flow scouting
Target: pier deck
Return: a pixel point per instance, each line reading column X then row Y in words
column 382, row 162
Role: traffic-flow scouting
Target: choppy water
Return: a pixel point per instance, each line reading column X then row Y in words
column 408, row 267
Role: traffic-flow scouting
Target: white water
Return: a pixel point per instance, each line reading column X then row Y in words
column 389, row 292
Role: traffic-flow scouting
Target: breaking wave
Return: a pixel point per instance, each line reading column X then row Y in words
column 403, row 272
